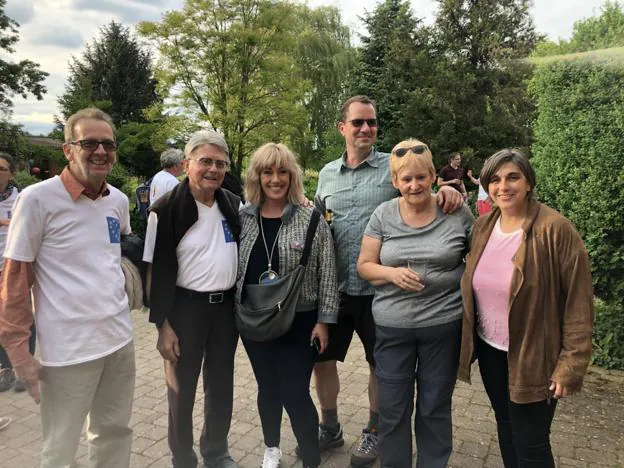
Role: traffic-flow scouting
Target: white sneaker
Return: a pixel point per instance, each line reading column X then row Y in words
column 272, row 457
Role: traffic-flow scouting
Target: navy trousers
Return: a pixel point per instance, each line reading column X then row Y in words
column 428, row 356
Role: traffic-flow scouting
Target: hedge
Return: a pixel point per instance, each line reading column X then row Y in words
column 578, row 155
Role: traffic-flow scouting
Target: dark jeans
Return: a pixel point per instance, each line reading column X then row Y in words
column 208, row 337
column 523, row 429
column 5, row 362
column 283, row 368
column 429, row 355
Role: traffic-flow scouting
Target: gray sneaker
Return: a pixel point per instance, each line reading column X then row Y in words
column 366, row 451
column 7, row 379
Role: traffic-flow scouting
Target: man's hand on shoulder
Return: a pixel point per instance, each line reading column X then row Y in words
column 449, row 199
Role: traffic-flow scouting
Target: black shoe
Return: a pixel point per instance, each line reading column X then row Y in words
column 328, row 439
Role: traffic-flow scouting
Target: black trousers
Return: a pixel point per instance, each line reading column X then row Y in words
column 429, row 356
column 208, row 339
column 283, row 368
column 5, row 362
column 523, row 429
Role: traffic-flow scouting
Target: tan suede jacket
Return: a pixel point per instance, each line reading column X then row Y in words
column 551, row 309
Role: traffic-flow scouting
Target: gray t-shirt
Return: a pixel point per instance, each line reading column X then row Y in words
column 442, row 244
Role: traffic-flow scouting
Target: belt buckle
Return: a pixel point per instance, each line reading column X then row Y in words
column 215, row 298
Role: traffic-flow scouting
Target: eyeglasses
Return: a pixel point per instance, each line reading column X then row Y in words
column 207, row 162
column 359, row 122
column 418, row 149
column 91, row 145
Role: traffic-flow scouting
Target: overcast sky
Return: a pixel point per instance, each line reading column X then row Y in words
column 53, row 30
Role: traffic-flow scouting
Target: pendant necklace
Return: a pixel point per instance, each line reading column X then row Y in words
column 269, row 275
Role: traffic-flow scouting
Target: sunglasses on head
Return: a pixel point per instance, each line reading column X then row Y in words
column 360, row 122
column 418, row 149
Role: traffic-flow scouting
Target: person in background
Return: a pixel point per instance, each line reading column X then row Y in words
column 352, row 187
column 413, row 254
column 528, row 310
column 167, row 178
column 484, row 205
column 453, row 175
column 274, row 228
column 8, row 195
column 64, row 239
column 191, row 244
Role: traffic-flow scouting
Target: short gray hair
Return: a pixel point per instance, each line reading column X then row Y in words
column 171, row 157
column 206, row 137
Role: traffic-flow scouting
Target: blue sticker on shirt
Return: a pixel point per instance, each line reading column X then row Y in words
column 227, row 231
column 114, row 230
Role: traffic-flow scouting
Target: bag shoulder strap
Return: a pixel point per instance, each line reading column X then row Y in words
column 314, row 220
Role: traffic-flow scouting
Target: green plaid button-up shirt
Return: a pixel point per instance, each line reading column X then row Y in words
column 353, row 194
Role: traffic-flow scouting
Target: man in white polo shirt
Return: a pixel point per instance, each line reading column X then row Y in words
column 64, row 242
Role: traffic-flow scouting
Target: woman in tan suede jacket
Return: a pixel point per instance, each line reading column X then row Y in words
column 528, row 310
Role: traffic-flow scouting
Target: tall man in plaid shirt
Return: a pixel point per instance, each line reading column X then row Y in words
column 352, row 187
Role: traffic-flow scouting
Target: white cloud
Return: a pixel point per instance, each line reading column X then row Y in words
column 54, row 30
column 127, row 12
column 21, row 11
column 57, row 35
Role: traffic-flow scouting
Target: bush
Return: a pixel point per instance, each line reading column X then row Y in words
column 119, row 178
column 608, row 339
column 578, row 156
column 23, row 179
column 310, row 182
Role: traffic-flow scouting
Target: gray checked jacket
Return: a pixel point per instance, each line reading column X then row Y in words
column 320, row 289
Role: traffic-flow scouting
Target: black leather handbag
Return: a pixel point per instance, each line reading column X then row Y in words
column 267, row 311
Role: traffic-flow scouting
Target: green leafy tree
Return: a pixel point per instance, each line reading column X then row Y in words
column 237, row 65
column 137, row 148
column 12, row 140
column 113, row 74
column 325, row 59
column 21, row 78
column 393, row 65
column 481, row 79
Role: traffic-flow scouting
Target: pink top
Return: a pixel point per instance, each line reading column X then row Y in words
column 491, row 284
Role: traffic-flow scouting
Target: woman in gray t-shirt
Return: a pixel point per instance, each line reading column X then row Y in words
column 413, row 254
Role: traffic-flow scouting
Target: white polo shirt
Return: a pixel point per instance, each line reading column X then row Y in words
column 80, row 302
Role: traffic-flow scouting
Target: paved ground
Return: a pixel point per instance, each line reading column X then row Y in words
column 587, row 432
